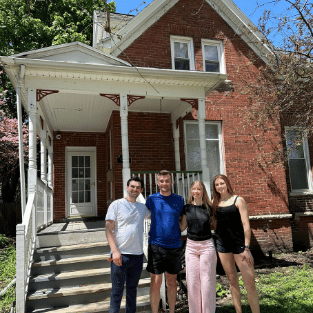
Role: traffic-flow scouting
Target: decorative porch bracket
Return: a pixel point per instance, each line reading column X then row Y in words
column 116, row 98
column 192, row 102
column 40, row 93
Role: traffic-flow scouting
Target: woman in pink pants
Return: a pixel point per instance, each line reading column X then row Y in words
column 200, row 251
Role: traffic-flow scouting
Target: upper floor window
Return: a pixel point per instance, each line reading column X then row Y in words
column 298, row 159
column 213, row 56
column 182, row 53
column 213, row 137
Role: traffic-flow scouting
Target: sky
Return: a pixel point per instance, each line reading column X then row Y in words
column 253, row 9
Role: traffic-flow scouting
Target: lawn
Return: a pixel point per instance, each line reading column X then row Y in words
column 7, row 272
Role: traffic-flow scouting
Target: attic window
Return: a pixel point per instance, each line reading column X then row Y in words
column 213, row 56
column 182, row 53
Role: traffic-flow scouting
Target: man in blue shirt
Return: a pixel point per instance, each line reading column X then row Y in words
column 164, row 251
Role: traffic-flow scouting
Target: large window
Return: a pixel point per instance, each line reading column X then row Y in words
column 213, row 136
column 182, row 53
column 213, row 56
column 298, row 159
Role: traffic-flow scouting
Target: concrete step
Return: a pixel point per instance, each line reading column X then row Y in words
column 67, row 238
column 70, row 264
column 143, row 305
column 56, row 253
column 62, row 297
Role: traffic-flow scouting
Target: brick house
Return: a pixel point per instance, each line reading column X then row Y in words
column 160, row 92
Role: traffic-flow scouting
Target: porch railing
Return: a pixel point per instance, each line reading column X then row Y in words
column 38, row 213
column 182, row 181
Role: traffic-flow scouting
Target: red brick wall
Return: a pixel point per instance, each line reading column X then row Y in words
column 261, row 183
column 74, row 139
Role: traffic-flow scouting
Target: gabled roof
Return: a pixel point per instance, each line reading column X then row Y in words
column 227, row 9
column 74, row 52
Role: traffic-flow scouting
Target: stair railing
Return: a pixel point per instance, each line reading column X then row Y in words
column 37, row 215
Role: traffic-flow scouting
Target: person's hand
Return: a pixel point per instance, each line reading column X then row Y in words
column 116, row 258
column 246, row 255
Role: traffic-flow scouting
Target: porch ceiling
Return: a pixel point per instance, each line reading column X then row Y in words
column 91, row 112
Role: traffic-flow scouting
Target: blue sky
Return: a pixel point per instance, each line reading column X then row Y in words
column 251, row 8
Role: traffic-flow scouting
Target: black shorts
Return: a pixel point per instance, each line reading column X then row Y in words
column 235, row 248
column 162, row 260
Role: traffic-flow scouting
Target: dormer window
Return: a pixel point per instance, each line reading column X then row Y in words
column 182, row 53
column 213, row 56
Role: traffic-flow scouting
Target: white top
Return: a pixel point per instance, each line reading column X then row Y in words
column 129, row 225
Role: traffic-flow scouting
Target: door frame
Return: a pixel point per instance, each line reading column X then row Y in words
column 68, row 152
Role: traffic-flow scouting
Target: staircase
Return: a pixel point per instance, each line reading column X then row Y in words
column 70, row 272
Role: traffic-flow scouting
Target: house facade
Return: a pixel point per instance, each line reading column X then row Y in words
column 160, row 91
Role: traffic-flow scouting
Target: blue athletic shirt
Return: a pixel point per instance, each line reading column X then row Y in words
column 165, row 212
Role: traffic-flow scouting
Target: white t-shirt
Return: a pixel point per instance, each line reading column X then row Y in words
column 129, row 225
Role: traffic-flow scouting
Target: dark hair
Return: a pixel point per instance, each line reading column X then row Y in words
column 164, row 173
column 136, row 178
column 216, row 195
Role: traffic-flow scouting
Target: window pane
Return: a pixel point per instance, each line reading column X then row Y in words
column 193, row 155
column 75, row 161
column 213, row 159
column 74, row 172
column 87, row 184
column 192, row 131
column 87, row 196
column 298, row 174
column 211, row 131
column 81, row 173
column 81, row 197
column 87, row 173
column 181, row 50
column 87, row 161
column 294, row 144
column 81, row 184
column 75, row 197
column 210, row 53
column 75, row 185
column 81, row 161
column 182, row 64
column 212, row 67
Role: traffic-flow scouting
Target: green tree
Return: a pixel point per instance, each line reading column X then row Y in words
column 26, row 25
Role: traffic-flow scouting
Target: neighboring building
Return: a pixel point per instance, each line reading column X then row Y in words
column 162, row 93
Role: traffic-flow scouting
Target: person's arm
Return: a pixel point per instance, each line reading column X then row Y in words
column 183, row 223
column 243, row 210
column 116, row 256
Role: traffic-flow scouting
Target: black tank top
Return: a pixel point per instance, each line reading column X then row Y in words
column 229, row 226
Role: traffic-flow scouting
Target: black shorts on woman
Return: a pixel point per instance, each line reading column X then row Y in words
column 230, row 236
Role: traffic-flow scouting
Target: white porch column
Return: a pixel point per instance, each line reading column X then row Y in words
column 125, row 147
column 43, row 155
column 32, row 163
column 204, row 162
column 50, row 165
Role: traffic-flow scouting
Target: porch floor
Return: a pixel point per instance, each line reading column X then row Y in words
column 73, row 226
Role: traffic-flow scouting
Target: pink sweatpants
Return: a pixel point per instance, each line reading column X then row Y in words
column 201, row 276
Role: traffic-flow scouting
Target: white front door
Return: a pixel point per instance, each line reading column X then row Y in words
column 81, row 182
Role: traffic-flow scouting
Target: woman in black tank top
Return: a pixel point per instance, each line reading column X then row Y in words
column 233, row 235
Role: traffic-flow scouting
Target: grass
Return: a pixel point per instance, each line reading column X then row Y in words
column 7, row 272
column 285, row 290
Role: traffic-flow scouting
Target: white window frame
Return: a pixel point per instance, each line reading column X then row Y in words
column 307, row 163
column 191, row 54
column 220, row 51
column 220, row 139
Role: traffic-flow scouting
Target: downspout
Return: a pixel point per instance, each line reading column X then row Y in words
column 20, row 139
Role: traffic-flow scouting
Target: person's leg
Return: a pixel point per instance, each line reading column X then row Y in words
column 193, row 277
column 155, row 286
column 208, row 276
column 171, row 284
column 248, row 277
column 132, row 278
column 118, row 274
column 228, row 263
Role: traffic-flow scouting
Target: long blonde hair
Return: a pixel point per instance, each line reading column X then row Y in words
column 205, row 198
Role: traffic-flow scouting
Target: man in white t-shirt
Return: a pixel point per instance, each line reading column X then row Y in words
column 124, row 231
